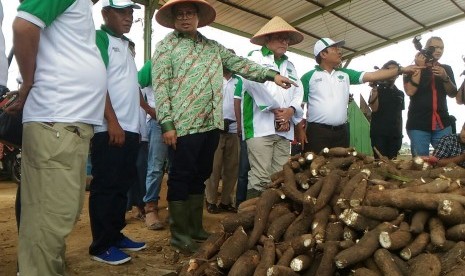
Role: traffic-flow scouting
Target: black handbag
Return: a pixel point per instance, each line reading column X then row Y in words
column 11, row 126
column 11, row 129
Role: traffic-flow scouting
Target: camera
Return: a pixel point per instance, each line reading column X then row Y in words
column 426, row 52
column 380, row 84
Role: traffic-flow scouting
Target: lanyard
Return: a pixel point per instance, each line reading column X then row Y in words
column 435, row 119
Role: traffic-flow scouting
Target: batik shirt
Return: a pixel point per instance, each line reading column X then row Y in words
column 450, row 146
column 187, row 77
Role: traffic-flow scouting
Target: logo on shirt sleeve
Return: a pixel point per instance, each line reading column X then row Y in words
column 115, row 49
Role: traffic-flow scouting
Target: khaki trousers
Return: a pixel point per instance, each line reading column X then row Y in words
column 53, row 178
column 267, row 155
column 226, row 165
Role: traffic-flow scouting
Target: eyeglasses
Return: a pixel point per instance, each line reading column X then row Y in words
column 187, row 15
column 282, row 38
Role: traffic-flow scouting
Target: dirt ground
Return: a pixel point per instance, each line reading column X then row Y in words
column 157, row 260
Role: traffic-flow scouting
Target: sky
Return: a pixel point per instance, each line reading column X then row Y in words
column 403, row 52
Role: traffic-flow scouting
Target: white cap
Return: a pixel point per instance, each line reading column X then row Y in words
column 324, row 43
column 119, row 4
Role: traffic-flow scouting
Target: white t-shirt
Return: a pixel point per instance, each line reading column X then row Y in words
column 123, row 86
column 229, row 86
column 70, row 78
column 3, row 59
column 260, row 99
column 327, row 94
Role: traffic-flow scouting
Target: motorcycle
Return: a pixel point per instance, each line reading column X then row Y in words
column 10, row 163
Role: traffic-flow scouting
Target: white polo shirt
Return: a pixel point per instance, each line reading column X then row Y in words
column 259, row 99
column 123, row 86
column 3, row 59
column 327, row 94
column 70, row 78
column 229, row 90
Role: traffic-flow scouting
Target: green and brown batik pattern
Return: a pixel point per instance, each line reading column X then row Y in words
column 187, row 79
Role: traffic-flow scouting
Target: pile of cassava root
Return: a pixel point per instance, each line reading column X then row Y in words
column 343, row 213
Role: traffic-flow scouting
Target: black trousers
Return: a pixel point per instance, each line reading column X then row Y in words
column 113, row 172
column 191, row 164
column 320, row 137
column 387, row 145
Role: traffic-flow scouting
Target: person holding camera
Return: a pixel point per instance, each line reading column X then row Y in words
column 386, row 102
column 226, row 159
column 428, row 88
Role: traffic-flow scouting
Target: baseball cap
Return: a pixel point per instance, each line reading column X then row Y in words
column 324, row 43
column 119, row 4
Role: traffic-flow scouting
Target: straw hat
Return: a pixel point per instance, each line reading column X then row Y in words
column 277, row 25
column 206, row 13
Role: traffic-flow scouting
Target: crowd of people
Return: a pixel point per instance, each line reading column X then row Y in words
column 195, row 110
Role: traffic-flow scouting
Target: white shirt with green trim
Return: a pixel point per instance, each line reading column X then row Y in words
column 327, row 94
column 3, row 59
column 260, row 99
column 229, row 87
column 123, row 86
column 70, row 79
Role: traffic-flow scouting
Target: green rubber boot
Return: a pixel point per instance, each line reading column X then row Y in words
column 196, row 218
column 179, row 227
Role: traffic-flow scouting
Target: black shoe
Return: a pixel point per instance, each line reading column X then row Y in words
column 212, row 208
column 226, row 208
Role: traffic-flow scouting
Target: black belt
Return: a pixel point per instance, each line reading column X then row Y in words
column 339, row 127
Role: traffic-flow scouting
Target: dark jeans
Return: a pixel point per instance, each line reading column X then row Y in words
column 191, row 164
column 243, row 178
column 113, row 171
column 387, row 145
column 137, row 191
column 320, row 137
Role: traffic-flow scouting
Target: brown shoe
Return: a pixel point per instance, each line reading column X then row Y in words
column 212, row 208
column 226, row 208
column 152, row 220
column 138, row 213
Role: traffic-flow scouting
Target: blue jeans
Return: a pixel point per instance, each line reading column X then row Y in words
column 243, row 179
column 420, row 139
column 158, row 152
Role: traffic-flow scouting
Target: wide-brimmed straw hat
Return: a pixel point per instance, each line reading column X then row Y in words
column 206, row 13
column 277, row 25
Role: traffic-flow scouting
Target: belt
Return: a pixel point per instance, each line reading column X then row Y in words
column 339, row 127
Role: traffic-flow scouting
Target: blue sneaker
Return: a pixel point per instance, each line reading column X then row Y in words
column 112, row 256
column 127, row 244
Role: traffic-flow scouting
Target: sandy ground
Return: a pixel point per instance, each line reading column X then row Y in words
column 157, row 260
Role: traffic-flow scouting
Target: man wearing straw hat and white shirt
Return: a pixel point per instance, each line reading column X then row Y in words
column 326, row 92
column 271, row 113
column 187, row 75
